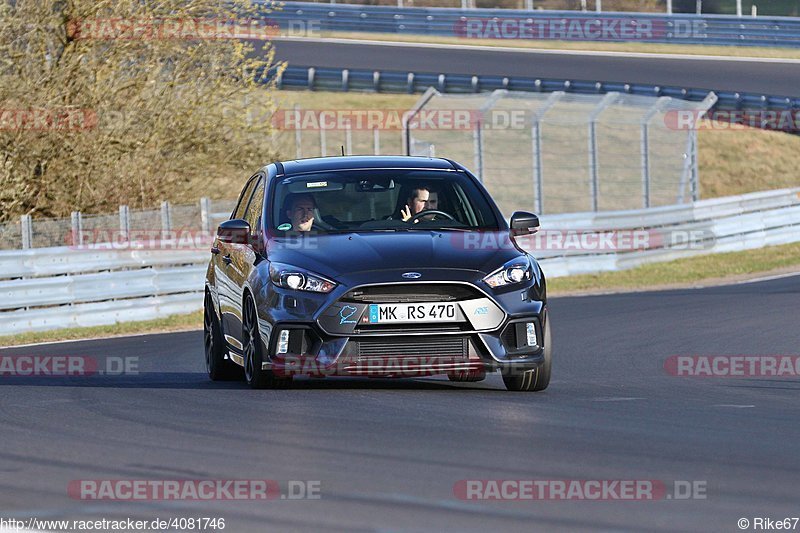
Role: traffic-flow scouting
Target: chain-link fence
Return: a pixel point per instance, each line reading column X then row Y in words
column 546, row 152
column 560, row 152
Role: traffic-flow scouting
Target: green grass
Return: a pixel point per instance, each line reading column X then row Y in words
column 163, row 325
column 685, row 272
column 645, row 48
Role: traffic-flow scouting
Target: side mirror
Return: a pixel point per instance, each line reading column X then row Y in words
column 524, row 223
column 236, row 231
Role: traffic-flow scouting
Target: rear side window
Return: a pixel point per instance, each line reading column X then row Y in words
column 254, row 210
column 243, row 198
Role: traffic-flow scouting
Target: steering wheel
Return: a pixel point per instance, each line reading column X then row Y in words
column 430, row 212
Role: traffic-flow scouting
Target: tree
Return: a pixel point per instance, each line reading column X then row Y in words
column 105, row 102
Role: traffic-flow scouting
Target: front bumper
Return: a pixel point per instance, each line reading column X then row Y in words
column 337, row 342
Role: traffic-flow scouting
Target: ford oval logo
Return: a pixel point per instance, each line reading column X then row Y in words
column 412, row 275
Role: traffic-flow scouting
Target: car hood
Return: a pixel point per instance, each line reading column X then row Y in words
column 351, row 253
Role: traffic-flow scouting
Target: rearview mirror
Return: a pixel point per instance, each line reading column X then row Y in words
column 524, row 223
column 236, row 231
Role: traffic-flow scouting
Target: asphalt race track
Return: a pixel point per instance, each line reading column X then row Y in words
column 388, row 453
column 779, row 78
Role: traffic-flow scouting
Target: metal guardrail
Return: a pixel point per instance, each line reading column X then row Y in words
column 49, row 288
column 340, row 79
column 561, row 25
column 52, row 288
column 657, row 217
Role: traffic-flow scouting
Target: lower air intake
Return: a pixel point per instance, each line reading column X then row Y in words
column 429, row 346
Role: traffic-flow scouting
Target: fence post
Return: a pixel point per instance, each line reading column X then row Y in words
column 738, row 8
column 166, row 219
column 429, row 93
column 312, row 74
column 477, row 149
column 376, row 141
column 323, row 141
column 645, row 146
column 536, row 140
column 599, row 5
column 477, row 132
column 594, row 173
column 669, row 7
column 124, row 222
column 77, row 228
column 690, row 175
column 205, row 214
column 26, row 227
column 645, row 151
column 529, row 5
column 699, row 7
column 298, row 136
column 695, row 181
column 348, row 138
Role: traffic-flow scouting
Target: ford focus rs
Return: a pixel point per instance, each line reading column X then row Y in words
column 374, row 266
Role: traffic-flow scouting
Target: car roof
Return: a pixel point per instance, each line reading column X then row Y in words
column 322, row 164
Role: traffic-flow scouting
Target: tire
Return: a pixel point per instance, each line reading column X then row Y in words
column 538, row 379
column 218, row 368
column 254, row 353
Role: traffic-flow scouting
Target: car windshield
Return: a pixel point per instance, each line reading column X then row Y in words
column 380, row 200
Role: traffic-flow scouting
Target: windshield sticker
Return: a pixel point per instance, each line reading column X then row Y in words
column 313, row 184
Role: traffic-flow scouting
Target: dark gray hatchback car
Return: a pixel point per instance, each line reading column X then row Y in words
column 374, row 266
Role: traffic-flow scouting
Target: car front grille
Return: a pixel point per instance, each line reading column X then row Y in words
column 412, row 293
column 451, row 346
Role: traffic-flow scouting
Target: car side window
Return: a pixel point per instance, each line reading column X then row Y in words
column 255, row 208
column 244, row 198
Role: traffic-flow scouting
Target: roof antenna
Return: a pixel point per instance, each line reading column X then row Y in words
column 342, row 150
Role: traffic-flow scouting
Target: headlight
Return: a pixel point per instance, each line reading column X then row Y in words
column 515, row 271
column 299, row 279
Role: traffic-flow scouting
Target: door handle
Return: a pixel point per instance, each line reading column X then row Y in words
column 215, row 250
column 227, row 259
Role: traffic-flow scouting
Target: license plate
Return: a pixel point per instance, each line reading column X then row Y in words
column 416, row 312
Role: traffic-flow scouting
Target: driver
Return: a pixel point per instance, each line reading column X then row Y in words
column 422, row 199
column 301, row 212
